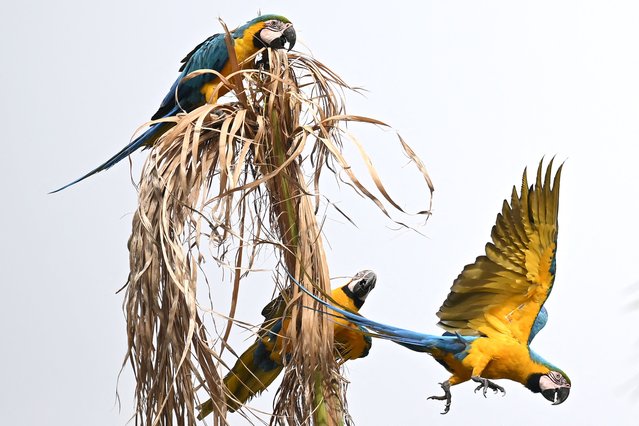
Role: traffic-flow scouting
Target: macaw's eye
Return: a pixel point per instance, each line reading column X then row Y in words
column 558, row 378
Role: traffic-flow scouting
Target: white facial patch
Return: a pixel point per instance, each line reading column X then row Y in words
column 553, row 380
column 273, row 30
column 546, row 383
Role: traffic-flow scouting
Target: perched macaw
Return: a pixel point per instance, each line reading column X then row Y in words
column 272, row 31
column 495, row 306
column 260, row 364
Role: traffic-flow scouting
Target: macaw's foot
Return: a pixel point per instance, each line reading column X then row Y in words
column 262, row 62
column 487, row 384
column 446, row 397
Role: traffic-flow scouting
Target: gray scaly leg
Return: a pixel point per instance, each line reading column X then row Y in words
column 446, row 397
column 487, row 384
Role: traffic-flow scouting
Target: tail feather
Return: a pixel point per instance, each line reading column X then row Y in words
column 413, row 340
column 252, row 373
column 148, row 138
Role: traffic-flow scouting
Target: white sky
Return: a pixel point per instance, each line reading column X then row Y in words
column 479, row 89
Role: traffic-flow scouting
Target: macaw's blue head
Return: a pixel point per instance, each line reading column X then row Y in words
column 274, row 31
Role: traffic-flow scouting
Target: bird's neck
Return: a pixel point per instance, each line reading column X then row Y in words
column 245, row 46
column 532, row 383
column 344, row 299
column 345, row 302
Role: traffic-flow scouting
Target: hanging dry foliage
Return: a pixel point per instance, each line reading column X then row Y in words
column 232, row 176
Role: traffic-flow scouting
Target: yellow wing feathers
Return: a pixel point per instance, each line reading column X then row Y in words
column 503, row 291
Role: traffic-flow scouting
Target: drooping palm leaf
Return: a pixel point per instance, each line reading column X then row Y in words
column 232, row 176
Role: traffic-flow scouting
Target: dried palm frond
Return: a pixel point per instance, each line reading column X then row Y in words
column 232, row 176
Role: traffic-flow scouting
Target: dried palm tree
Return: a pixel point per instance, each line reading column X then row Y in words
column 232, row 175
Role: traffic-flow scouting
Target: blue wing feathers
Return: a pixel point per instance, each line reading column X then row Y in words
column 210, row 54
column 262, row 358
column 540, row 322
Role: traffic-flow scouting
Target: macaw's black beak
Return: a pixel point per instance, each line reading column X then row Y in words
column 366, row 281
column 288, row 36
column 556, row 396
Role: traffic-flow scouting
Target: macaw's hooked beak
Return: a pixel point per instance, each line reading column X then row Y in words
column 288, row 36
column 556, row 396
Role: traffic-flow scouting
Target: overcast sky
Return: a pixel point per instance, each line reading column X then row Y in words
column 479, row 89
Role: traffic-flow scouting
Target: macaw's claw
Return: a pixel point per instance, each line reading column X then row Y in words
column 446, row 397
column 262, row 62
column 487, row 384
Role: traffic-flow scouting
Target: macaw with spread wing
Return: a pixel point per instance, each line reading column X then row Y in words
column 271, row 31
column 495, row 306
column 261, row 363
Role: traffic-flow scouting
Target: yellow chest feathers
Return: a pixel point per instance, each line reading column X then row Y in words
column 501, row 358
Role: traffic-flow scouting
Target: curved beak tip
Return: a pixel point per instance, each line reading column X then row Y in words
column 290, row 36
column 562, row 395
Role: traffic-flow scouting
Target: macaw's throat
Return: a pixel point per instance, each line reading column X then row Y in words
column 533, row 382
column 359, row 292
column 358, row 302
column 358, row 289
column 257, row 41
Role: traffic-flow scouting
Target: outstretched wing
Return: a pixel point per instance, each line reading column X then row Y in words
column 503, row 291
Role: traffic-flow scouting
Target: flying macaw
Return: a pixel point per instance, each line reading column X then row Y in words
column 272, row 31
column 495, row 306
column 260, row 364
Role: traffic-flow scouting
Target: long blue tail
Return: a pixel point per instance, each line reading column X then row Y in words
column 413, row 340
column 146, row 139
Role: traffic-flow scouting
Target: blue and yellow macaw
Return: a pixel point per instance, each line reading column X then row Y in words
column 260, row 364
column 271, row 31
column 495, row 306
